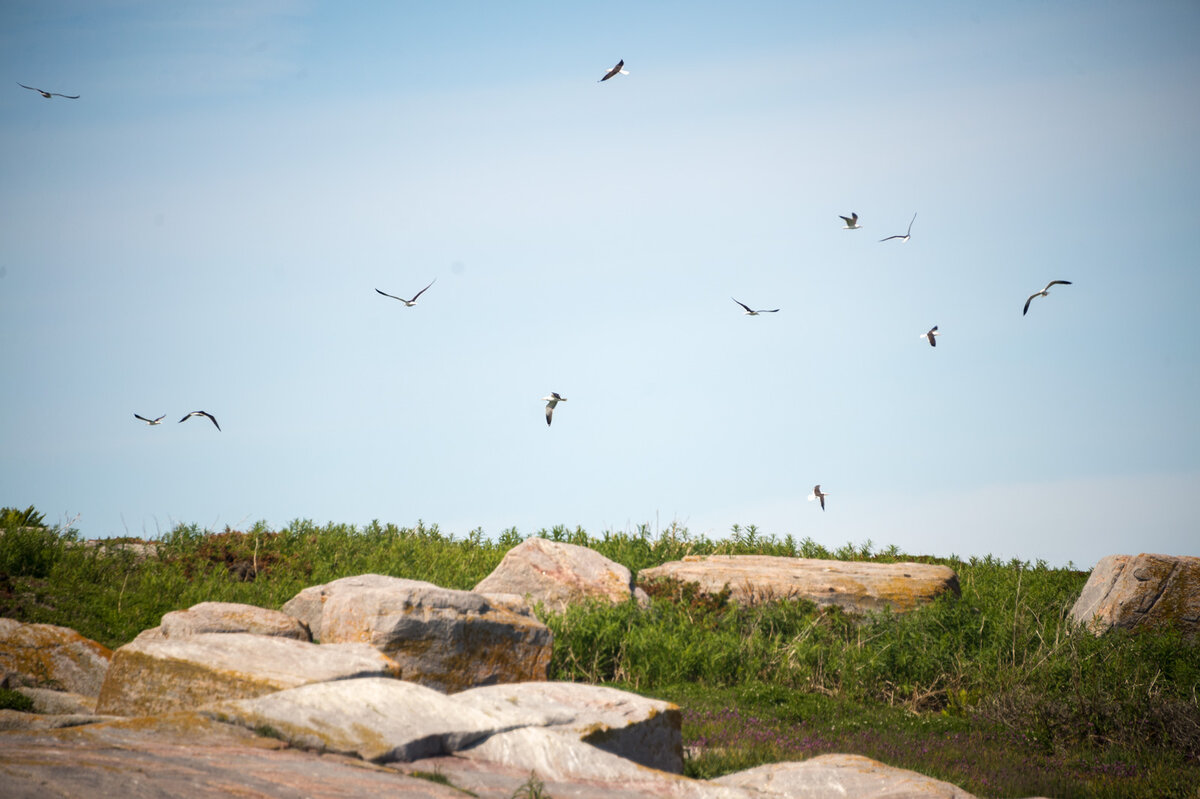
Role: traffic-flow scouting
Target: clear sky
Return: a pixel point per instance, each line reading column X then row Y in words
column 205, row 228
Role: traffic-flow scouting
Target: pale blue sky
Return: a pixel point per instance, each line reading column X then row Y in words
column 205, row 228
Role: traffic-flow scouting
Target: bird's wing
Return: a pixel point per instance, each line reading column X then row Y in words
column 143, row 418
column 189, row 416
column 847, row 219
column 613, row 71
column 744, row 305
column 549, row 411
column 31, row 88
column 211, row 418
column 1058, row 282
column 773, row 310
column 914, row 219
column 68, row 96
column 1031, row 296
column 932, row 339
column 422, row 291
column 822, row 502
column 394, row 297
column 889, row 238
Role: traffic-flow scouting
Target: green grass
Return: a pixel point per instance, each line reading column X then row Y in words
column 994, row 690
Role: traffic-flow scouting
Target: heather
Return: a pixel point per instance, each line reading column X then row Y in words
column 995, row 690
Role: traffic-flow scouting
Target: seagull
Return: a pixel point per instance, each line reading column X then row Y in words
column 750, row 312
column 907, row 234
column 933, row 331
column 151, row 421
column 619, row 69
column 818, row 494
column 47, row 94
column 551, row 401
column 211, row 418
column 413, row 301
column 1043, row 293
column 851, row 222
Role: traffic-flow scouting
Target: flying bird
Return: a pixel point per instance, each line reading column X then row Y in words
column 552, row 401
column 907, row 234
column 47, row 94
column 413, row 301
column 817, row 493
column 205, row 414
column 619, row 69
column 851, row 222
column 750, row 312
column 1043, row 293
column 151, row 421
column 933, row 331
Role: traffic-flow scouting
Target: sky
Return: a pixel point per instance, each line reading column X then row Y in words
column 206, row 228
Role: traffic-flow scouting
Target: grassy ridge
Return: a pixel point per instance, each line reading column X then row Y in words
column 995, row 691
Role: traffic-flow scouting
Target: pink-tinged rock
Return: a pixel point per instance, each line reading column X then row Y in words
column 840, row 776
column 443, row 639
column 854, row 586
column 48, row 656
column 150, row 676
column 1146, row 591
column 231, row 617
column 637, row 728
column 557, row 575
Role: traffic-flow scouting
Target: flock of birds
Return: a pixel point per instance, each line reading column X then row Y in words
column 554, row 398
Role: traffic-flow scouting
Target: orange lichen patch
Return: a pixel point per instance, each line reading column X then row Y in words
column 49, row 656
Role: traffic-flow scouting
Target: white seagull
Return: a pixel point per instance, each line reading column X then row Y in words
column 851, row 222
column 413, row 301
column 205, row 414
column 151, row 421
column 750, row 312
column 47, row 94
column 551, row 401
column 619, row 69
column 817, row 493
column 1043, row 293
column 907, row 234
column 933, row 331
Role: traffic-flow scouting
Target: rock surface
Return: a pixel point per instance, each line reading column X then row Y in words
column 59, row 702
column 48, row 656
column 1127, row 592
column 828, row 776
column 377, row 719
column 557, row 575
column 645, row 731
column 231, row 617
column 149, row 676
column 444, row 639
column 854, row 586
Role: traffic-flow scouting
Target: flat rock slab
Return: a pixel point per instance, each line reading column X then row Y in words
column 188, row 755
column 1154, row 591
column 231, row 617
column 444, row 639
column 854, row 586
column 840, row 776
column 152, row 676
column 48, row 656
column 643, row 730
column 377, row 719
column 558, row 575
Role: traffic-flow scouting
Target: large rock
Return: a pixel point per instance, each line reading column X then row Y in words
column 47, row 656
column 838, row 776
column 558, row 575
column 444, row 639
column 231, row 617
column 643, row 730
column 1154, row 591
column 377, row 719
column 854, row 586
column 150, row 676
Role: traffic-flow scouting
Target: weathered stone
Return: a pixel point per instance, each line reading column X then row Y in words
column 231, row 617
column 16, row 720
column 444, row 639
column 839, row 776
column 643, row 730
column 47, row 656
column 59, row 702
column 1152, row 591
column 854, row 586
column 377, row 719
column 187, row 754
column 159, row 676
column 557, row 575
